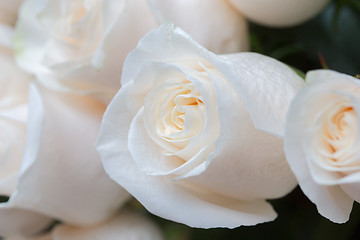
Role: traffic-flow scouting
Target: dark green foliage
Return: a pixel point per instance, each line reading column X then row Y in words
column 334, row 34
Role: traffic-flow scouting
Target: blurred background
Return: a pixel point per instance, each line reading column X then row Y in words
column 333, row 38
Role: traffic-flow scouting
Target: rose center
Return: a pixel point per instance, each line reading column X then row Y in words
column 340, row 132
column 180, row 112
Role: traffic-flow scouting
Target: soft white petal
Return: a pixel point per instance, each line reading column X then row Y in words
column 353, row 190
column 246, row 163
column 12, row 143
column 279, row 13
column 15, row 222
column 170, row 44
column 266, row 86
column 124, row 226
column 13, row 118
column 215, row 24
column 62, row 175
column 331, row 79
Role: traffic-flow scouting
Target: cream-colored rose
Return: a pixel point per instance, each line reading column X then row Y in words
column 322, row 142
column 215, row 24
column 48, row 162
column 279, row 13
column 191, row 134
column 9, row 11
column 123, row 226
column 80, row 45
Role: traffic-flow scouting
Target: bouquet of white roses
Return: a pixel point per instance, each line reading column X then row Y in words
column 104, row 101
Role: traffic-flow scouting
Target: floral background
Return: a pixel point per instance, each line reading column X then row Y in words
column 330, row 40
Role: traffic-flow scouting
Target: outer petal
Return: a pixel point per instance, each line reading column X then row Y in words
column 124, row 226
column 8, row 11
column 13, row 118
column 247, row 163
column 61, row 174
column 12, row 140
column 162, row 196
column 267, row 87
column 15, row 222
column 279, row 13
column 331, row 201
column 215, row 24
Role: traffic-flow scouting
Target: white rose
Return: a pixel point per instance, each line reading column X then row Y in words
column 9, row 11
column 215, row 24
column 279, row 13
column 123, row 226
column 322, row 142
column 48, row 162
column 80, row 45
column 180, row 135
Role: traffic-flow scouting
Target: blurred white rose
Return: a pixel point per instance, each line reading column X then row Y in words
column 279, row 13
column 9, row 11
column 48, row 162
column 215, row 24
column 123, row 226
column 322, row 142
column 191, row 134
column 80, row 45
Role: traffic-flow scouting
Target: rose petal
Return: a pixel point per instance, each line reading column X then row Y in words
column 20, row 222
column 237, row 161
column 256, row 77
column 13, row 118
column 12, row 144
column 60, row 160
column 353, row 190
column 171, row 45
